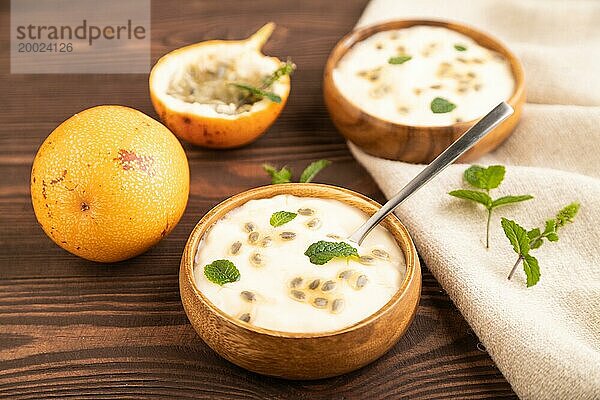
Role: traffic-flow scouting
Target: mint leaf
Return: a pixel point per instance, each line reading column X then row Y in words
column 549, row 233
column 399, row 59
column 536, row 243
column 221, row 272
column 281, row 217
column 473, row 176
column 534, row 233
column 502, row 201
column 460, row 47
column 517, row 236
column 260, row 93
column 535, row 238
column 322, row 252
column 284, row 175
column 550, row 227
column 485, row 178
column 532, row 269
column 567, row 214
column 312, row 170
column 473, row 195
column 493, row 176
column 441, row 106
column 552, row 237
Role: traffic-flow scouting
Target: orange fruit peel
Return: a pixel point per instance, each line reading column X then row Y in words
column 193, row 91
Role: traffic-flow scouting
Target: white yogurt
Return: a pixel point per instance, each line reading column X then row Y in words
column 475, row 79
column 273, row 282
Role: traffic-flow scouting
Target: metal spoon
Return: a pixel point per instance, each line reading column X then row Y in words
column 448, row 156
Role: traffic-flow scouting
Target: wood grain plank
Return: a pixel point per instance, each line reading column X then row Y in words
column 69, row 332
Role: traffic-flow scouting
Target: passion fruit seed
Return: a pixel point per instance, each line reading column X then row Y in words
column 245, row 317
column 314, row 223
column 366, row 260
column 249, row 227
column 361, row 281
column 235, row 247
column 266, row 241
column 382, row 254
column 298, row 295
column 296, row 282
column 314, row 284
column 287, row 235
column 337, row 305
column 244, row 108
column 307, row 212
column 320, row 302
column 248, row 296
column 344, row 275
column 328, row 286
column 257, row 259
column 253, row 237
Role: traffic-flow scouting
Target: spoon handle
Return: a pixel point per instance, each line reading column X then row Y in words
column 447, row 157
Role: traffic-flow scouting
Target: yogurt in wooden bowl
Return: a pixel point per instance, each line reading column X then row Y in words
column 288, row 313
column 405, row 90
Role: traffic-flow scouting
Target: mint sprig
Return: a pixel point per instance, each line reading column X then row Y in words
column 221, row 272
column 256, row 93
column 524, row 241
column 284, row 175
column 486, row 179
column 281, row 217
column 322, row 252
column 440, row 105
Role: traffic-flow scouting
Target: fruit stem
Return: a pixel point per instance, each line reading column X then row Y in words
column 260, row 37
column 487, row 230
column 514, row 268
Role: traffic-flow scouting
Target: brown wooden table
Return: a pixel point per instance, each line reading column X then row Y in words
column 73, row 328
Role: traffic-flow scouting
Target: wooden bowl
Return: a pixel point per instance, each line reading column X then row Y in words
column 409, row 143
column 301, row 355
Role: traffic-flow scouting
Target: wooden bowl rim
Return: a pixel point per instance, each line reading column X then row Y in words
column 189, row 254
column 358, row 34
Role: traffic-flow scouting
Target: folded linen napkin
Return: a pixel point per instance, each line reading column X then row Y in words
column 545, row 339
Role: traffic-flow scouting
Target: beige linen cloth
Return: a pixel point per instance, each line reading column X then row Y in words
column 545, row 339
